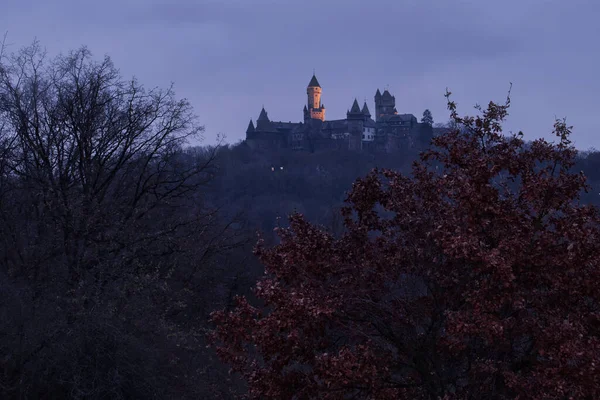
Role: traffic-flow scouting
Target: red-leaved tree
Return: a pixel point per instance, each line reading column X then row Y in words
column 475, row 278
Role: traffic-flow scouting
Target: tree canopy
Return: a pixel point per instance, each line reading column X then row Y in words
column 427, row 117
column 475, row 277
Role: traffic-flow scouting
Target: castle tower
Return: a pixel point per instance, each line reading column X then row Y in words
column 263, row 123
column 385, row 105
column 356, row 122
column 316, row 110
column 250, row 129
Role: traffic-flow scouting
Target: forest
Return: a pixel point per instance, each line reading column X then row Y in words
column 137, row 265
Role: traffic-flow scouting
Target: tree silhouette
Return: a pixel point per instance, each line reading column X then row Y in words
column 427, row 118
column 100, row 209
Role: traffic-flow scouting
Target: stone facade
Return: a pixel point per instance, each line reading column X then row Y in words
column 388, row 132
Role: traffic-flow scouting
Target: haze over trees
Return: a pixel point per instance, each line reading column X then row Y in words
column 469, row 274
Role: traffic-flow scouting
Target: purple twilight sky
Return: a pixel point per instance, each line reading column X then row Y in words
column 229, row 57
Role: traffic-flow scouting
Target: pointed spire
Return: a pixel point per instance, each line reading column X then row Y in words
column 314, row 82
column 355, row 107
column 250, row 127
column 377, row 94
column 263, row 115
column 365, row 110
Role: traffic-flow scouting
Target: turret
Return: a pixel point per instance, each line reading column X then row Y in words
column 263, row 116
column 313, row 91
column 365, row 110
column 250, row 128
column 262, row 123
column 355, row 112
column 377, row 95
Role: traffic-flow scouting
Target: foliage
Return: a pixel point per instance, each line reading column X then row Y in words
column 427, row 118
column 474, row 280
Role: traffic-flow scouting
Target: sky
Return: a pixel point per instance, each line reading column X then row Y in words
column 231, row 57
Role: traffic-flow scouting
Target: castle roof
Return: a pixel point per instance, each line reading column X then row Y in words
column 277, row 126
column 370, row 123
column 399, row 118
column 314, row 82
column 284, row 126
column 407, row 117
column 378, row 94
column 355, row 108
column 365, row 110
column 340, row 125
column 387, row 95
column 263, row 115
column 250, row 127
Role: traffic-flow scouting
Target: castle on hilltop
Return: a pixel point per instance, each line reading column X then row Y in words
column 388, row 132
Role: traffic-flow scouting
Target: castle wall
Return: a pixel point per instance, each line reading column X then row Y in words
column 355, row 128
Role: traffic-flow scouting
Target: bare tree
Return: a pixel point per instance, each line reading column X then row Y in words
column 98, row 204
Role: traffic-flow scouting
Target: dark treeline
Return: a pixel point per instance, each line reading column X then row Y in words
column 117, row 240
column 266, row 186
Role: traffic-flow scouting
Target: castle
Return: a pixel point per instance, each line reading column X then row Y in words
column 388, row 132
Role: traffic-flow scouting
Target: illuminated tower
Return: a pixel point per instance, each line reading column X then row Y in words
column 315, row 109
